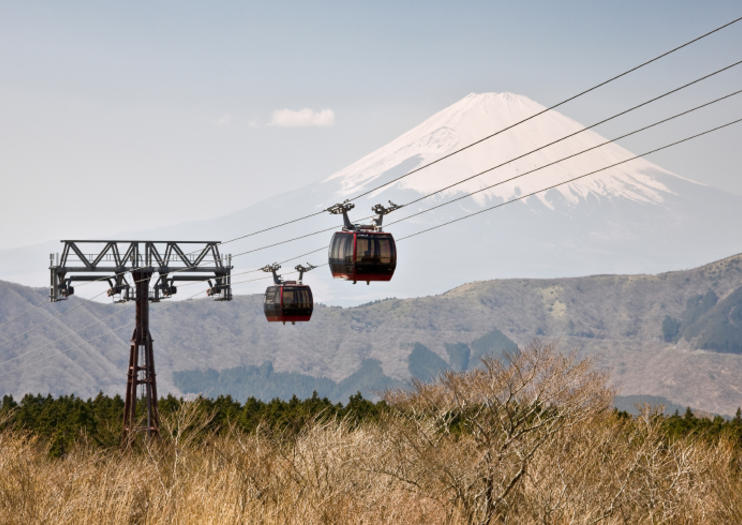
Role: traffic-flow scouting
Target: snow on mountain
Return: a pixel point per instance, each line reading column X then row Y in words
column 479, row 115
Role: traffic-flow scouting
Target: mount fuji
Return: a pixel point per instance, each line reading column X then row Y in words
column 633, row 218
column 478, row 115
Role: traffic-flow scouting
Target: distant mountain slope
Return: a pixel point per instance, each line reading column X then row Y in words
column 618, row 320
column 717, row 325
column 264, row 383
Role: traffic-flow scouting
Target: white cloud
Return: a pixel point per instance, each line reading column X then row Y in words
column 290, row 118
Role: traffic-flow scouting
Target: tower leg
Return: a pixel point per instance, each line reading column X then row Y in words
column 141, row 345
column 150, row 381
column 130, row 402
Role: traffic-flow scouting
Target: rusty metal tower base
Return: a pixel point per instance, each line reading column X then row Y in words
column 141, row 366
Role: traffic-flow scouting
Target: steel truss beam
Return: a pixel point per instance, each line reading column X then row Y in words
column 118, row 258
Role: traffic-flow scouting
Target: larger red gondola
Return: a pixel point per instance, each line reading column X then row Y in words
column 362, row 252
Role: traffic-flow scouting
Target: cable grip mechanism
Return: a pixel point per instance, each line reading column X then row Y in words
column 302, row 269
column 380, row 210
column 343, row 207
column 273, row 268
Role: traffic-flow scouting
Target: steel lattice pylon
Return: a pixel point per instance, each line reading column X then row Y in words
column 140, row 259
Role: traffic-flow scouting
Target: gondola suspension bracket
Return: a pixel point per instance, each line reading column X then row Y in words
column 380, row 210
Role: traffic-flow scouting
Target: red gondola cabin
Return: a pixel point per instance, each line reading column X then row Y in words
column 288, row 301
column 363, row 255
column 361, row 252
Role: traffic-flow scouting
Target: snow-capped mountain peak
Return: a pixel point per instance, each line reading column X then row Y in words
column 480, row 114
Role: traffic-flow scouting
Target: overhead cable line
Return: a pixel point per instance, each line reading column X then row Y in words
column 267, row 277
column 525, row 196
column 545, row 110
column 586, row 128
column 449, row 186
column 292, row 239
column 257, row 270
column 573, row 155
column 264, row 278
column 275, row 226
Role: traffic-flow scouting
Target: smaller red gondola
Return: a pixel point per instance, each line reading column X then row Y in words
column 290, row 301
column 362, row 252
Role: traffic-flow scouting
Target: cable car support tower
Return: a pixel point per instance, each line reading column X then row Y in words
column 87, row 260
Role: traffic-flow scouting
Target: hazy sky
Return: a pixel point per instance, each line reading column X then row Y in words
column 122, row 116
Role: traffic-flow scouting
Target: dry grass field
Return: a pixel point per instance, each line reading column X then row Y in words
column 531, row 441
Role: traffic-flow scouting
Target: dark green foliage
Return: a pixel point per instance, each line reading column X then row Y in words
column 67, row 419
column 677, row 426
column 670, row 329
column 495, row 344
column 458, row 356
column 63, row 421
column 424, row 364
column 8, row 403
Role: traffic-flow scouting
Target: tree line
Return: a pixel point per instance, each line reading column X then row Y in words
column 68, row 418
column 63, row 420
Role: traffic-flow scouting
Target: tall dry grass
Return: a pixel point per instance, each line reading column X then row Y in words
column 530, row 441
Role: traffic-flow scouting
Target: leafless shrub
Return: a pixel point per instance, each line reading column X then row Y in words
column 477, row 433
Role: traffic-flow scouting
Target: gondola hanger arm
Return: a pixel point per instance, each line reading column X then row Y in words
column 273, row 268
